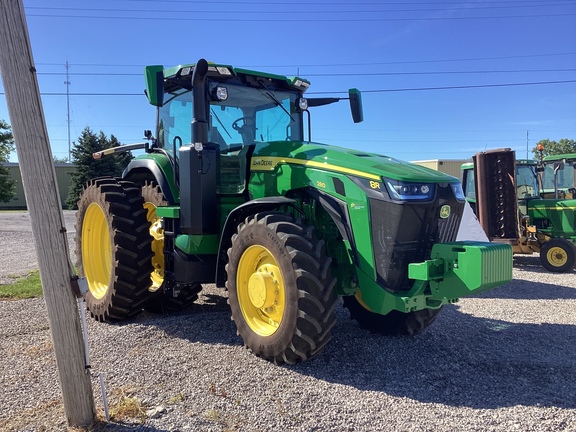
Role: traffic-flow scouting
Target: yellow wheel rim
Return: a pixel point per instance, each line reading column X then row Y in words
column 260, row 290
column 96, row 250
column 557, row 256
column 157, row 233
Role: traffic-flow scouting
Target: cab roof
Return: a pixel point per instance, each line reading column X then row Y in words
column 223, row 71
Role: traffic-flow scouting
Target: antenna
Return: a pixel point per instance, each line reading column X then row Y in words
column 67, row 82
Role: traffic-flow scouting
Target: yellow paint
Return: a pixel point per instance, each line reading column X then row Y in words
column 260, row 290
column 96, row 250
column 557, row 256
column 269, row 163
column 157, row 234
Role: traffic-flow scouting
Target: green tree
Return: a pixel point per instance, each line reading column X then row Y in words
column 58, row 159
column 87, row 167
column 7, row 185
column 564, row 146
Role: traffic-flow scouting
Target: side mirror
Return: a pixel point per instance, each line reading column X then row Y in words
column 356, row 105
column 154, row 76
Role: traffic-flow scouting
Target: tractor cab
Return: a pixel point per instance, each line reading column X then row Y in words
column 527, row 184
column 558, row 177
column 231, row 110
column 238, row 110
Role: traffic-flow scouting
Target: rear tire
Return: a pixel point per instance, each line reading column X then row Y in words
column 558, row 255
column 281, row 289
column 394, row 323
column 113, row 248
column 159, row 301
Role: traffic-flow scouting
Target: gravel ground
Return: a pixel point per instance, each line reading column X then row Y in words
column 501, row 361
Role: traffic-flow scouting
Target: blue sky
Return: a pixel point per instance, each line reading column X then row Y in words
column 394, row 51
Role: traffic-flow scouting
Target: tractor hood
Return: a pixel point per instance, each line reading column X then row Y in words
column 268, row 156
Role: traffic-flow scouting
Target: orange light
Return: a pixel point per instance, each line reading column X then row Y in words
column 540, row 147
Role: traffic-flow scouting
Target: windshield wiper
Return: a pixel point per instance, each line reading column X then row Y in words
column 220, row 122
column 273, row 98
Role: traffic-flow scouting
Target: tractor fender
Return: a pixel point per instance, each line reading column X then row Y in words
column 142, row 169
column 338, row 211
column 234, row 218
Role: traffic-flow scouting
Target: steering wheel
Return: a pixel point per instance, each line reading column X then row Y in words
column 525, row 190
column 238, row 120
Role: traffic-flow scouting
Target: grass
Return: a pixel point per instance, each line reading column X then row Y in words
column 127, row 406
column 28, row 286
column 212, row 415
column 176, row 399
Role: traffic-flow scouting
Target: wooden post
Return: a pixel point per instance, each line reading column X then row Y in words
column 42, row 197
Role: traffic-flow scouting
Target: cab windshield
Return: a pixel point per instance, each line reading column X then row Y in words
column 564, row 175
column 527, row 182
column 247, row 115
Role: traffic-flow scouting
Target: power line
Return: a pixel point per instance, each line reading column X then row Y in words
column 93, row 73
column 456, row 87
column 440, row 72
column 343, row 64
column 426, row 61
column 363, row 91
column 308, row 12
column 344, row 74
column 520, row 2
column 221, row 18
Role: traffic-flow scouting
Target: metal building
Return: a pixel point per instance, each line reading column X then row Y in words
column 448, row 166
column 63, row 171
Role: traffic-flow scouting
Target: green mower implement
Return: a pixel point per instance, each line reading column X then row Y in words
column 528, row 204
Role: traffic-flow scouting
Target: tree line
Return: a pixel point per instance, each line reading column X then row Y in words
column 87, row 167
column 81, row 152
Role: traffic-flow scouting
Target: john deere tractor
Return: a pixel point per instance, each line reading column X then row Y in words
column 231, row 192
column 526, row 203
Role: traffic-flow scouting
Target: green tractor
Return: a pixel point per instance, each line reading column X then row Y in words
column 230, row 192
column 525, row 203
column 558, row 180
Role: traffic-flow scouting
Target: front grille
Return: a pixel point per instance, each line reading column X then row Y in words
column 404, row 233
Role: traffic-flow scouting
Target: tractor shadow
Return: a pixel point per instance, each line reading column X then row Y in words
column 524, row 290
column 462, row 360
column 531, row 263
column 206, row 321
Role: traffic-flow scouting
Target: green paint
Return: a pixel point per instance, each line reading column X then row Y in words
column 198, row 244
column 355, row 179
column 168, row 212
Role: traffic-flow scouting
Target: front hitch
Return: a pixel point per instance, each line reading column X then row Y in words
column 463, row 268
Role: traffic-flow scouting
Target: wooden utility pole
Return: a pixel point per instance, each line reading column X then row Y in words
column 44, row 205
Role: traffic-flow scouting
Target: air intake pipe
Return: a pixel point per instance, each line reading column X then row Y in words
column 199, row 166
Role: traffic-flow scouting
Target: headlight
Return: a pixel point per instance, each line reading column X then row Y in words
column 221, row 93
column 458, row 192
column 302, row 104
column 409, row 191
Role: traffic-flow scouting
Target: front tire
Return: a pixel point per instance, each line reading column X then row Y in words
column 281, row 289
column 394, row 323
column 558, row 255
column 113, row 248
